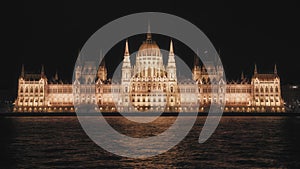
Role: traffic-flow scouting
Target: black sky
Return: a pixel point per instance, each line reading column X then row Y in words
column 246, row 32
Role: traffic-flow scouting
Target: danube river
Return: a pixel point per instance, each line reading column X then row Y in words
column 238, row 142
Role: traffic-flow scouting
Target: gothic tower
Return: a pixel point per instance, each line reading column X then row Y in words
column 171, row 67
column 126, row 76
column 102, row 71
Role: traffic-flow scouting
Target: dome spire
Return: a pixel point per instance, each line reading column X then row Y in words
column 149, row 32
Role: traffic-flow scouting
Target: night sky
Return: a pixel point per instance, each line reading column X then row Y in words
column 246, row 32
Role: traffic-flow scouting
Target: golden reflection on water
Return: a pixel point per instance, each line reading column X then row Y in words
column 238, row 142
column 140, row 130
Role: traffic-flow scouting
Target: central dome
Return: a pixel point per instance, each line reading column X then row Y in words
column 148, row 45
column 149, row 55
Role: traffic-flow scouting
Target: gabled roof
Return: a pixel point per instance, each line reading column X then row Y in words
column 265, row 76
column 31, row 76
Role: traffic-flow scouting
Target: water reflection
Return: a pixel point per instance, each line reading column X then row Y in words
column 238, row 142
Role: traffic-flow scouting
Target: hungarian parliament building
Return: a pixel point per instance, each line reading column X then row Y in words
column 148, row 85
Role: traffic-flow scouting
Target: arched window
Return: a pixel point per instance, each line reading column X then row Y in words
column 21, row 89
column 172, row 89
column 267, row 90
column 261, row 89
column 144, row 87
column 256, row 90
column 89, row 81
column 276, row 89
column 31, row 90
column 214, row 81
column 271, row 89
column 41, row 89
column 36, row 90
column 208, row 80
column 203, row 80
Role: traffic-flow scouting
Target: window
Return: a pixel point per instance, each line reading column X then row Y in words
column 208, row 80
column 203, row 80
column 276, row 89
column 172, row 90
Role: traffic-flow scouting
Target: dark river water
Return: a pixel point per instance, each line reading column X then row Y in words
column 238, row 142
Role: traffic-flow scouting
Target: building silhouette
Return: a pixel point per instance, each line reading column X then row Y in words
column 149, row 85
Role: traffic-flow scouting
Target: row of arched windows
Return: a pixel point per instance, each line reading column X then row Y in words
column 266, row 89
column 31, row 89
column 149, row 87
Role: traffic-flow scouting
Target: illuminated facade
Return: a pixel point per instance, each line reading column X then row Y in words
column 148, row 85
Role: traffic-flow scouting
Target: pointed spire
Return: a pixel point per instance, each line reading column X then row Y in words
column 102, row 59
column 242, row 76
column 171, row 48
column 275, row 69
column 23, row 71
column 196, row 61
column 126, row 61
column 42, row 71
column 126, row 49
column 103, row 64
column 255, row 69
column 56, row 76
column 149, row 32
